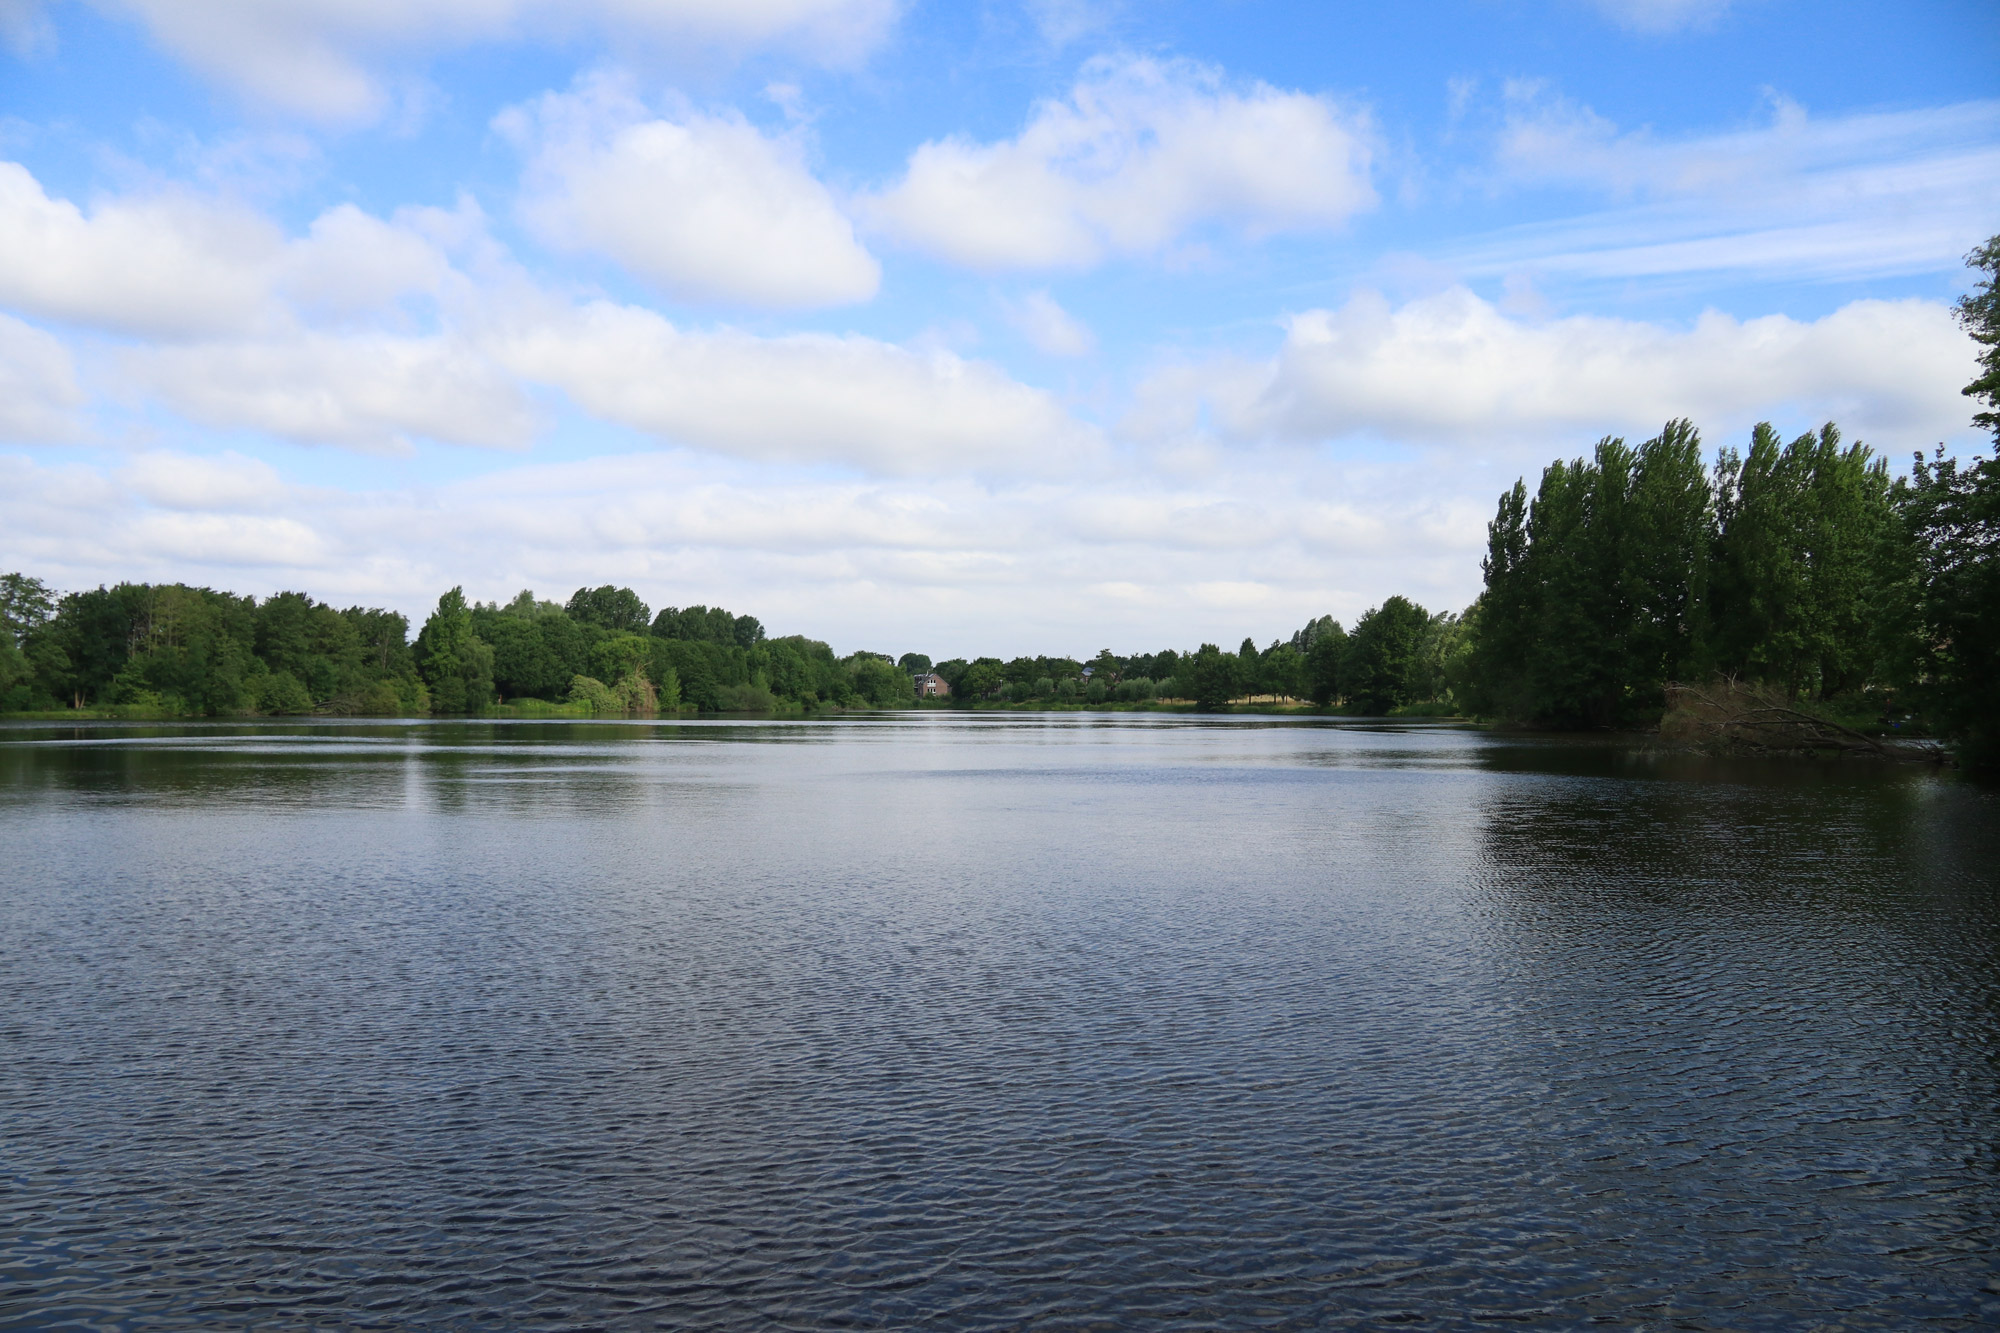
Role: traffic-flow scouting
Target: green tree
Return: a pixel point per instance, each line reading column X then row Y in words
column 1948, row 519
column 1797, row 559
column 1384, row 665
column 1979, row 313
column 878, row 682
column 312, row 642
column 1325, row 648
column 1285, row 671
column 702, row 624
column 456, row 665
column 617, row 609
column 1952, row 516
column 1505, row 630
column 26, row 604
column 1672, row 522
column 526, row 606
column 1211, row 678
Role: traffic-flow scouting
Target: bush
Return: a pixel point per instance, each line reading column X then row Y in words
column 747, row 699
column 281, row 694
column 594, row 693
column 380, row 700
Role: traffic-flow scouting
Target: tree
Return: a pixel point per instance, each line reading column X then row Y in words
column 1285, row 671
column 980, row 679
column 1949, row 519
column 1667, row 559
column 25, row 606
column 914, row 663
column 527, row 606
column 702, row 624
column 1211, row 678
column 878, row 681
column 1799, row 530
column 1385, row 656
column 312, row 642
column 1979, row 313
column 1326, row 649
column 616, row 609
column 455, row 664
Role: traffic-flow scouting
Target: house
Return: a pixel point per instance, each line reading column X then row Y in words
column 930, row 685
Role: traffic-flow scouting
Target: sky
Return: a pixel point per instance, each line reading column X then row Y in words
column 1025, row 326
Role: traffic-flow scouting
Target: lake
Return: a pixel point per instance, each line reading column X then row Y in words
column 987, row 1022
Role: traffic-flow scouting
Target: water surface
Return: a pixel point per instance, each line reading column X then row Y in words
column 1058, row 1022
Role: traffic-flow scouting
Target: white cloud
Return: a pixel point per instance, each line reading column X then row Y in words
column 322, row 57
column 371, row 391
column 280, row 546
column 1063, row 22
column 1047, row 326
column 1845, row 197
column 350, row 262
column 1140, row 154
column 373, row 334
column 1452, row 368
column 697, row 206
column 940, row 565
column 39, row 396
column 804, row 397
column 225, row 484
column 1662, row 16
column 174, row 264
column 166, row 264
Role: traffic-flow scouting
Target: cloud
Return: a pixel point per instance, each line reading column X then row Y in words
column 322, row 58
column 1141, row 154
column 1047, row 326
column 699, row 206
column 351, row 263
column 1453, row 369
column 372, row 391
column 39, row 397
column 226, row 483
column 374, row 334
column 1662, row 16
column 24, row 29
column 804, row 397
column 1064, row 22
column 167, row 264
column 178, row 265
column 1840, row 198
column 941, row 565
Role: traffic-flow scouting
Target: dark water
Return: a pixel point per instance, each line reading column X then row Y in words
column 1052, row 1023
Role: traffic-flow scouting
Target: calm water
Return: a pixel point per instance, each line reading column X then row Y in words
column 1012, row 1022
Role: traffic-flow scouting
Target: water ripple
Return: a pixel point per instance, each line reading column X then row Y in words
column 987, row 1024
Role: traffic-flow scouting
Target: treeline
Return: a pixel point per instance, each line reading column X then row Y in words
column 174, row 650
column 1397, row 656
column 1800, row 566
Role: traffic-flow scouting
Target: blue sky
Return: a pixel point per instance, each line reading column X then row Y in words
column 984, row 328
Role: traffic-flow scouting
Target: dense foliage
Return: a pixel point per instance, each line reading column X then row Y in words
column 1395, row 659
column 172, row 650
